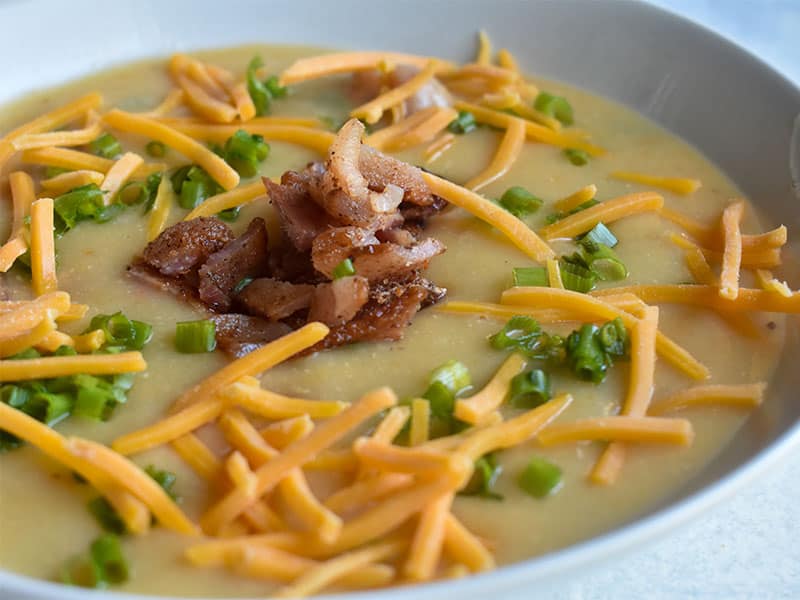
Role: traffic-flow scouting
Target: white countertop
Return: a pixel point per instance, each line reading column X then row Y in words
column 748, row 546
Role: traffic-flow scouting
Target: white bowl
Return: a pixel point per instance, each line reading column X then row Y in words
column 731, row 106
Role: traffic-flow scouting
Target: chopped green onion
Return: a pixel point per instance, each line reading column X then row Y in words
column 587, row 358
column 463, row 123
column 530, row 277
column 600, row 234
column 554, row 106
column 258, row 91
column 244, row 152
column 519, row 201
column 540, row 478
column 487, row 471
column 576, row 277
column 166, row 479
column 453, row 374
column 106, row 146
column 106, row 552
column 577, row 157
column 26, row 354
column 274, row 87
column 344, row 269
column 104, row 564
column 49, row 408
column 263, row 92
column 603, row 261
column 79, row 204
column 119, row 330
column 243, row 283
column 92, row 401
column 530, row 389
column 193, row 185
column 106, row 516
column 613, row 338
column 230, row 214
column 141, row 192
column 442, row 400
column 156, row 149
column 192, row 337
column 525, row 335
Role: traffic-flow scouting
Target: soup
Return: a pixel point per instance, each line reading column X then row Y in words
column 41, row 495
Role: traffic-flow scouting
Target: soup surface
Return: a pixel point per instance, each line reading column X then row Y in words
column 42, row 506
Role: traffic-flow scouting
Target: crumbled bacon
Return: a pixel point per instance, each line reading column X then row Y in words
column 359, row 205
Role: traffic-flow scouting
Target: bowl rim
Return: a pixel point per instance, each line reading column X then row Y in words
column 594, row 550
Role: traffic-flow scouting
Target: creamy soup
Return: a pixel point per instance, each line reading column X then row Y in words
column 43, row 515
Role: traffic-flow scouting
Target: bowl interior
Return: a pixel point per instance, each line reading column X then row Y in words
column 733, row 108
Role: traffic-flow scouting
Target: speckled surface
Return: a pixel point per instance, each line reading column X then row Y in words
column 749, row 546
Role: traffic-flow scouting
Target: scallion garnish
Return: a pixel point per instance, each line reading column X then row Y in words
column 575, row 276
column 530, row 276
column 230, row 214
column 487, row 471
column 166, row 479
column 526, row 335
column 577, row 157
column 141, row 192
column 453, row 374
column 600, row 234
column 106, row 516
column 445, row 383
column 262, row 92
column 586, row 354
column 103, row 565
column 540, row 478
column 554, row 106
column 119, row 330
column 463, row 123
column 193, row 185
column 156, row 149
column 192, row 337
column 530, row 389
column 519, row 201
column 344, row 269
column 244, row 152
column 106, row 146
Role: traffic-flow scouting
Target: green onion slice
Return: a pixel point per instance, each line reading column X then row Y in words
column 530, row 277
column 519, row 201
column 106, row 146
column 156, row 149
column 481, row 484
column 344, row 269
column 577, row 157
column 540, row 478
column 530, row 389
column 463, row 123
column 554, row 106
column 193, row 337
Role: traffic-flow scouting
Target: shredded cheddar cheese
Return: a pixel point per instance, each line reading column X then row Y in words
column 679, row 185
column 749, row 395
column 508, row 152
column 70, row 180
column 118, row 175
column 640, row 391
column 605, row 212
column 22, row 195
column 517, row 231
column 59, row 366
column 222, row 173
column 652, row 430
column 237, row 197
column 732, row 254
